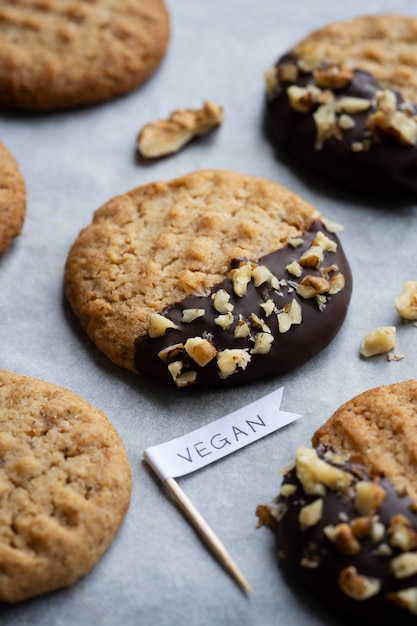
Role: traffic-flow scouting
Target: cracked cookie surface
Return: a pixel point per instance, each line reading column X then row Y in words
column 65, row 484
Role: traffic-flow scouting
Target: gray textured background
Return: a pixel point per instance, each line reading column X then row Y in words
column 158, row 571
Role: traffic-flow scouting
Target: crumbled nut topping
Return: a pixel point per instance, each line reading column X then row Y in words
column 378, row 341
column 333, row 76
column 181, row 379
column 164, row 137
column 287, row 72
column 189, row 315
column 225, row 320
column 200, row 350
column 406, row 598
column 221, row 301
column 263, row 343
column 333, row 114
column 343, row 538
column 287, row 490
column 401, row 533
column 254, row 328
column 271, row 80
column 404, row 565
column 229, row 360
column 159, row 324
column 311, row 514
column 291, row 314
column 369, row 497
column 315, row 474
column 357, row 586
column 241, row 277
column 406, row 302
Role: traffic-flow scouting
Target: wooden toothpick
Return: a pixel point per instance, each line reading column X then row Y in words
column 207, row 533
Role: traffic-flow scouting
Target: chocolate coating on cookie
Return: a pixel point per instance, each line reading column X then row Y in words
column 262, row 320
column 367, row 144
column 351, row 537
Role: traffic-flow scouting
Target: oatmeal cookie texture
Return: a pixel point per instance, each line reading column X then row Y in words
column 65, row 486
column 214, row 278
column 56, row 54
column 12, row 199
column 343, row 102
column 346, row 514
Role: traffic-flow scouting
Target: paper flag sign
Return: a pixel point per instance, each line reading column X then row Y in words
column 209, row 443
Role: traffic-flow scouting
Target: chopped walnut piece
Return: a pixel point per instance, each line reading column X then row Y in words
column 268, row 307
column 362, row 526
column 242, row 330
column 303, row 99
column 241, row 276
column 404, row 565
column 291, row 314
column 258, row 323
column 315, row 474
column 336, row 284
column 224, row 321
column 294, row 242
column 314, row 255
column 229, row 360
column 357, row 586
column 171, row 353
column 361, row 146
column 331, row 226
column 394, row 356
column 159, row 324
column 326, row 124
column 263, row 343
column 200, row 350
column 189, row 315
column 164, row 137
column 346, row 122
column 343, row 538
column 378, row 341
column 369, row 497
column 406, row 302
column 401, row 533
column 271, row 80
column 181, row 379
column 287, row 72
column 294, row 269
column 261, row 274
column 265, row 517
column 312, row 286
column 390, row 121
column 333, row 76
column 309, row 57
column 310, row 514
column 407, row 598
column 351, row 105
column 287, row 490
column 221, row 301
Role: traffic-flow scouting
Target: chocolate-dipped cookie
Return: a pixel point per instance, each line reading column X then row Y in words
column 346, row 514
column 343, row 101
column 215, row 278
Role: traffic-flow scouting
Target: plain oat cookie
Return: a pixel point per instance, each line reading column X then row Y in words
column 65, row 484
column 12, row 199
column 215, row 278
column 56, row 54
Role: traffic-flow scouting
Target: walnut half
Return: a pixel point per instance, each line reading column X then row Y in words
column 164, row 137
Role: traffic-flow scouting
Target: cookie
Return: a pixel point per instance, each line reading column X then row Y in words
column 65, row 486
column 12, row 199
column 215, row 278
column 56, row 55
column 346, row 514
column 343, row 101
